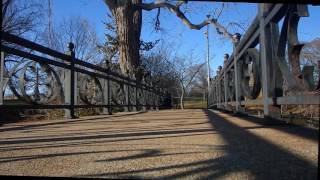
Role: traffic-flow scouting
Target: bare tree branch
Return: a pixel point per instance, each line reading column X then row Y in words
column 111, row 3
column 180, row 3
column 220, row 11
column 176, row 10
column 237, row 24
column 20, row 17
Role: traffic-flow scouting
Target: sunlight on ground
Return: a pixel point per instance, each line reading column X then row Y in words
column 173, row 144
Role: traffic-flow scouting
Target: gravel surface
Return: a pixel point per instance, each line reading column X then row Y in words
column 169, row 144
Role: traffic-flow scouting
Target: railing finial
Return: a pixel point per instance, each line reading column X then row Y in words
column 236, row 38
column 71, row 46
column 225, row 58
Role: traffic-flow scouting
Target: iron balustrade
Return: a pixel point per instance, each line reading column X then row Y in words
column 43, row 78
column 264, row 76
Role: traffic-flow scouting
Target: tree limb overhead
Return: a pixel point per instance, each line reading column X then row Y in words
column 176, row 10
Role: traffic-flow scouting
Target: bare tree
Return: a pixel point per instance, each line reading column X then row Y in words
column 201, row 81
column 199, row 86
column 310, row 56
column 78, row 31
column 110, row 47
column 186, row 71
column 311, row 52
column 21, row 16
column 128, row 20
column 160, row 66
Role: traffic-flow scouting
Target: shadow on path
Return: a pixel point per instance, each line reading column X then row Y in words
column 312, row 134
column 245, row 152
column 64, row 121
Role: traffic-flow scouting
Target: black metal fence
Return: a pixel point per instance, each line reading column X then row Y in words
column 36, row 77
column 266, row 69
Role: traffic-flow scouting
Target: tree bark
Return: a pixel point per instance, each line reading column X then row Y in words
column 129, row 23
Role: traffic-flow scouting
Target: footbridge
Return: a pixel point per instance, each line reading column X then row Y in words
column 246, row 132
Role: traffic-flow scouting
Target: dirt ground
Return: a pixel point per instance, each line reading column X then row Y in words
column 168, row 144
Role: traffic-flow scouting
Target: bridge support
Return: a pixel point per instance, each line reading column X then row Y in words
column 107, row 96
column 126, row 94
column 134, row 106
column 70, row 85
column 1, row 78
column 236, row 73
column 220, row 94
column 225, row 90
column 144, row 99
column 270, row 70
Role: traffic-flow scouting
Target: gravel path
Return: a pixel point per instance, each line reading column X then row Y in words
column 169, row 144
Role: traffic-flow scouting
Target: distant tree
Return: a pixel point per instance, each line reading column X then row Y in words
column 78, row 31
column 160, row 66
column 310, row 56
column 21, row 16
column 186, row 71
column 200, row 85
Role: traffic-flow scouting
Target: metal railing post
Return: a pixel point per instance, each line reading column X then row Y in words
column 157, row 100
column 70, row 84
column 135, row 107
column 144, row 102
column 126, row 94
column 264, row 48
column 1, row 77
column 109, row 96
column 106, row 97
column 225, row 89
column 219, row 94
column 236, row 40
column 148, row 97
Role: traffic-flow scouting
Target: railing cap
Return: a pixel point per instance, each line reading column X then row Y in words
column 70, row 46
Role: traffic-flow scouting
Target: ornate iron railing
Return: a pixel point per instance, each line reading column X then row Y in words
column 41, row 78
column 272, row 75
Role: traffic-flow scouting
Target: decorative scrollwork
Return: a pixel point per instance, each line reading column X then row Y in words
column 118, row 93
column 140, row 97
column 221, row 91
column 35, row 83
column 132, row 95
column 299, row 77
column 153, row 98
column 250, row 73
column 150, row 98
column 90, row 90
column 230, row 85
column 147, row 98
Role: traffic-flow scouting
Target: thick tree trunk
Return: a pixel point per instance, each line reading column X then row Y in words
column 128, row 24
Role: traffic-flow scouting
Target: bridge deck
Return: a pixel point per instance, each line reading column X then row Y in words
column 185, row 144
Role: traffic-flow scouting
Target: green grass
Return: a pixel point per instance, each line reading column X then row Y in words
column 194, row 104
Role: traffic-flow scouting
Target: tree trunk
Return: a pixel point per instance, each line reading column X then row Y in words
column 129, row 24
column 182, row 99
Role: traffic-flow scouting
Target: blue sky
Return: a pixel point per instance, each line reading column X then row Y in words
column 174, row 32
